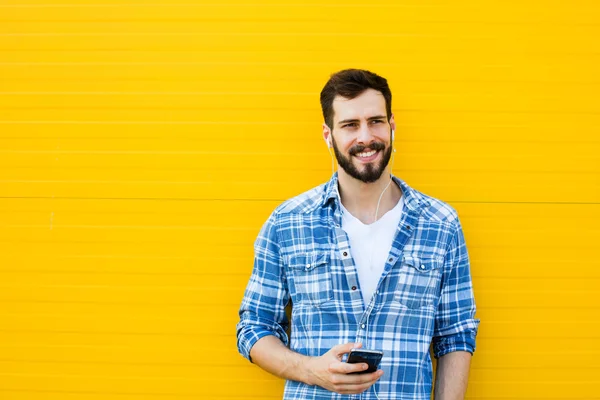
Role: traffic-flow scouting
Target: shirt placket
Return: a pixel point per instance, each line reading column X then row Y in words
column 343, row 249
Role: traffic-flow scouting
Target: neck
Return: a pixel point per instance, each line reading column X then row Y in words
column 361, row 199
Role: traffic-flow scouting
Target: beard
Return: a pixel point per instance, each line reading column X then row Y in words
column 371, row 172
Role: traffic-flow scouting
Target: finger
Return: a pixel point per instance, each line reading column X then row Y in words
column 354, row 389
column 347, row 368
column 355, row 383
column 356, row 379
column 342, row 349
column 355, row 367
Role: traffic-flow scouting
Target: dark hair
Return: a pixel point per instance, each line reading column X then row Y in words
column 350, row 83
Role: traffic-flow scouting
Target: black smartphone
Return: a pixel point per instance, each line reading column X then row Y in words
column 370, row 357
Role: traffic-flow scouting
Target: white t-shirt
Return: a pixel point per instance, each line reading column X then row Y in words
column 370, row 246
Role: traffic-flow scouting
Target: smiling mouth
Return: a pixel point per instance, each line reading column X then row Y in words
column 367, row 155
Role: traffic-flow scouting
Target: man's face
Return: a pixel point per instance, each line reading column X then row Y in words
column 361, row 135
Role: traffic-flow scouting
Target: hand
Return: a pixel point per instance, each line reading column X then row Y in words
column 329, row 372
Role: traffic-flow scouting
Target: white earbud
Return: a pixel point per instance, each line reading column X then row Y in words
column 392, row 135
column 328, row 143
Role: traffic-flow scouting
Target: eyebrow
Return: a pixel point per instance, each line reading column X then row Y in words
column 345, row 121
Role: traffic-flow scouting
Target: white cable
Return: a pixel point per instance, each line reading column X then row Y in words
column 366, row 335
column 387, row 186
column 371, row 267
column 331, row 154
column 372, row 247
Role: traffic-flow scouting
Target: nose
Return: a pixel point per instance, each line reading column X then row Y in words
column 364, row 135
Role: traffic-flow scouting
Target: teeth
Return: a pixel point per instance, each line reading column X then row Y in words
column 367, row 154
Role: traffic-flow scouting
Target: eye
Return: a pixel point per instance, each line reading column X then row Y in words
column 350, row 125
column 377, row 121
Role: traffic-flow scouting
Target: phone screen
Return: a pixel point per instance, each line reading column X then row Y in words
column 370, row 357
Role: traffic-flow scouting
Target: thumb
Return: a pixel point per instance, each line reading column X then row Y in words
column 341, row 349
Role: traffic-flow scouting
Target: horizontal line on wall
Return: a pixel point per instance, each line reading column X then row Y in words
column 246, row 34
column 121, row 303
column 153, row 395
column 246, row 274
column 536, row 354
column 246, row 243
column 92, row 332
column 202, row 289
column 161, row 364
column 203, row 304
column 549, row 111
column 561, row 82
column 273, row 63
column 249, row 4
column 314, row 18
column 567, row 277
column 304, row 122
column 249, row 93
column 490, row 35
column 251, row 152
column 412, row 110
column 273, row 200
column 153, row 93
column 123, row 108
column 277, row 199
column 242, row 365
column 195, row 289
column 157, row 122
column 74, row 181
column 160, row 152
column 75, row 167
column 185, row 139
column 199, row 274
column 127, row 257
column 100, row 271
column 520, row 336
column 205, row 228
column 287, row 79
column 588, row 335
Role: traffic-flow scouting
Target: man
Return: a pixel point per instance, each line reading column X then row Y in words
column 364, row 260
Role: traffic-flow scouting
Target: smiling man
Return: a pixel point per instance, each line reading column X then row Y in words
column 366, row 261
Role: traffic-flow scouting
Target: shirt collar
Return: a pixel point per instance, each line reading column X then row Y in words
column 413, row 200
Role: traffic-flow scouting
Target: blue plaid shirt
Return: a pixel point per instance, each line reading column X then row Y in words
column 424, row 297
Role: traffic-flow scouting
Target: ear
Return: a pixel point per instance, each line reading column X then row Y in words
column 327, row 135
column 392, row 123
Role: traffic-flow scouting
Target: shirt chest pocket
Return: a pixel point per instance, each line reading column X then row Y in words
column 419, row 281
column 311, row 278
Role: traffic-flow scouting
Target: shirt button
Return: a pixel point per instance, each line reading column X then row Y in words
column 422, row 267
column 307, row 266
column 363, row 326
column 377, row 292
column 353, row 287
column 345, row 253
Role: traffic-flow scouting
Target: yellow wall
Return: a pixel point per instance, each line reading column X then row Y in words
column 142, row 145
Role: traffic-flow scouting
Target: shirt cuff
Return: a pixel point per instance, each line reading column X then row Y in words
column 461, row 341
column 249, row 334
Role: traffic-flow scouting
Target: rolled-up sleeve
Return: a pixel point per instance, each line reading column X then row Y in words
column 455, row 324
column 262, row 312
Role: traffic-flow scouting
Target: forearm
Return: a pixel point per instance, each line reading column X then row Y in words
column 452, row 375
column 273, row 356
